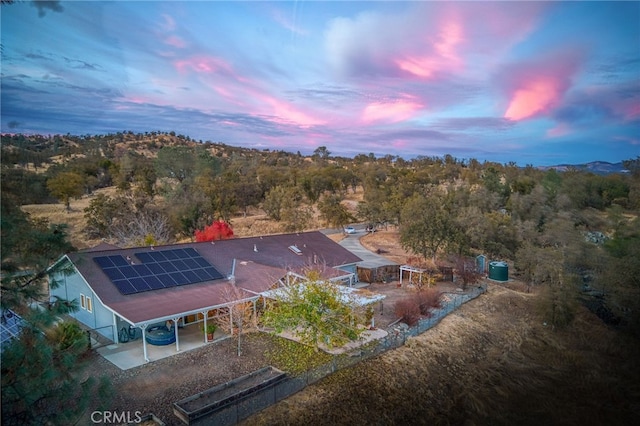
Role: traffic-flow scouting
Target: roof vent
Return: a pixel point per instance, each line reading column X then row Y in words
column 296, row 250
column 255, row 248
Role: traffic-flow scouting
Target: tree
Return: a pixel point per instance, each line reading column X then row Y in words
column 66, row 185
column 218, row 230
column 467, row 271
column 102, row 214
column 241, row 312
column 315, row 311
column 333, row 212
column 279, row 198
column 40, row 368
column 321, row 152
column 427, row 225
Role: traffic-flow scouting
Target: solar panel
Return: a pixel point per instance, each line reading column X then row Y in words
column 179, row 264
column 170, row 254
column 104, row 262
column 153, row 282
column 191, row 252
column 142, row 270
column 145, row 257
column 155, row 255
column 191, row 276
column 213, row 273
column 118, row 260
column 128, row 271
column 124, row 286
column 166, row 280
column 191, row 263
column 168, row 266
column 139, row 284
column 179, row 278
column 113, row 273
column 156, row 269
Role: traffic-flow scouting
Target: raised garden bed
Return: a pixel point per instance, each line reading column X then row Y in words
column 195, row 407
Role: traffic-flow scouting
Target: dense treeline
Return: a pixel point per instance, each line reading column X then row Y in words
column 567, row 231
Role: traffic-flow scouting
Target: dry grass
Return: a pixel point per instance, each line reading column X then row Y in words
column 491, row 362
column 388, row 242
column 56, row 213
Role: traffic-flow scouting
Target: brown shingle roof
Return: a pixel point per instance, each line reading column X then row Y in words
column 260, row 262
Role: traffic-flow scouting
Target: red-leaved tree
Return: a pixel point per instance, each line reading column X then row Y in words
column 218, row 230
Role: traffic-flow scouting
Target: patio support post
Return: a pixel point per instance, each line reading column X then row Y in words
column 144, row 341
column 231, row 319
column 115, row 328
column 204, row 328
column 175, row 326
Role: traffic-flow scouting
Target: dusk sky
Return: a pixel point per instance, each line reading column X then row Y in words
column 537, row 83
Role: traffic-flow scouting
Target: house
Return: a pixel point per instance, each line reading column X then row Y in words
column 180, row 285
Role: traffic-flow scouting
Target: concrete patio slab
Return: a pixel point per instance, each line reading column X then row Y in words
column 131, row 354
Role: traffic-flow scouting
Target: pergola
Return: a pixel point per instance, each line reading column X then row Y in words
column 412, row 270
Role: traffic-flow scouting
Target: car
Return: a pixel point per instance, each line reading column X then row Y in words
column 349, row 230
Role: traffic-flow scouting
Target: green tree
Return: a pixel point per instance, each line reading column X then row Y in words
column 103, row 213
column 334, row 212
column 279, row 198
column 316, row 312
column 66, row 185
column 41, row 367
column 427, row 225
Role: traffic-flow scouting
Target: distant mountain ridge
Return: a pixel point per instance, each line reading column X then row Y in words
column 597, row 167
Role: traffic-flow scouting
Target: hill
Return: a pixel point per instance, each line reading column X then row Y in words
column 597, row 167
column 493, row 361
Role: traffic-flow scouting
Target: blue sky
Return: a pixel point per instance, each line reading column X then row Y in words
column 531, row 82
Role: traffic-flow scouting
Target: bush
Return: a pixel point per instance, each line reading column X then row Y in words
column 427, row 299
column 408, row 310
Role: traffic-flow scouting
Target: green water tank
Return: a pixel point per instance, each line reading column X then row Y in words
column 498, row 271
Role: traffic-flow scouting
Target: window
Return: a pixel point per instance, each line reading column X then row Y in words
column 89, row 307
column 83, row 303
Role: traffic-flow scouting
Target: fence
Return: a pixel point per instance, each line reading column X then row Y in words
column 242, row 408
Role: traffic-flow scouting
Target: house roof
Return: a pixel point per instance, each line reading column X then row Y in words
column 259, row 263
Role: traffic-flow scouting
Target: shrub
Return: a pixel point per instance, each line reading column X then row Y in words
column 427, row 299
column 408, row 310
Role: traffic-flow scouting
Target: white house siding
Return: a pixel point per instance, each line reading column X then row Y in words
column 99, row 319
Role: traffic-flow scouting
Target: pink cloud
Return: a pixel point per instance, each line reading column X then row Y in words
column 168, row 24
column 283, row 20
column 175, row 41
column 390, row 112
column 537, row 88
column 286, row 113
column 560, row 129
column 428, row 40
column 443, row 55
column 203, row 64
column 533, row 97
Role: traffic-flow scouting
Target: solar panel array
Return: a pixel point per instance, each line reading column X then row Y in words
column 157, row 269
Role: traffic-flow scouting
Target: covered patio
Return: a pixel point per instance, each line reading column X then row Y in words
column 132, row 354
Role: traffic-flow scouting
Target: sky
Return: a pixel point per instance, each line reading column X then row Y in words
column 538, row 83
